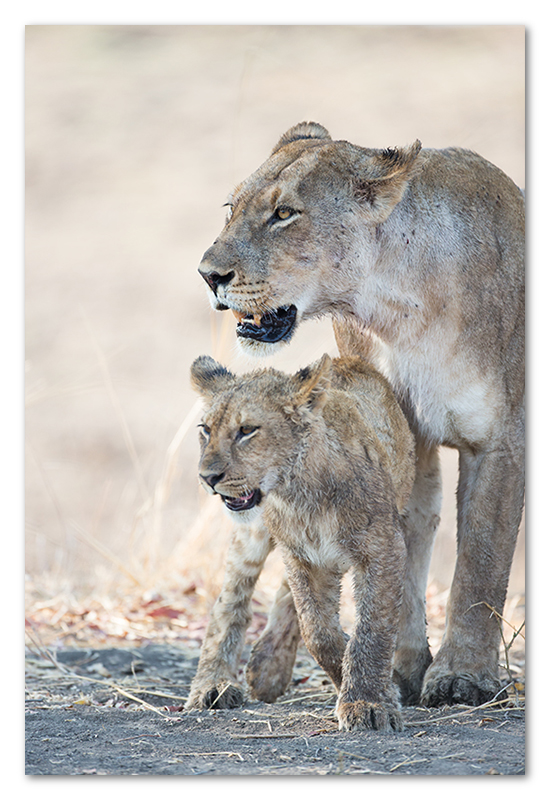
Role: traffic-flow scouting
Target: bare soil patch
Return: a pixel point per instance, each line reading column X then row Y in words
column 119, row 711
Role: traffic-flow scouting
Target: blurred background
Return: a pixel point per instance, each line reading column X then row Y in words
column 134, row 137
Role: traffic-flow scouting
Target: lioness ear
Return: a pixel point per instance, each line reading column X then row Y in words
column 382, row 177
column 304, row 130
column 209, row 377
column 313, row 383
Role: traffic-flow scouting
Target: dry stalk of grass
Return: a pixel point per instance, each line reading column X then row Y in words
column 507, row 646
column 87, row 539
column 50, row 656
column 228, row 753
column 496, row 706
column 117, row 406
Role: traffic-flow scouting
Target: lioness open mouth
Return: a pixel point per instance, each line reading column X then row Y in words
column 273, row 326
column 243, row 503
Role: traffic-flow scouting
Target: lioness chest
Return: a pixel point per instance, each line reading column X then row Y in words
column 447, row 398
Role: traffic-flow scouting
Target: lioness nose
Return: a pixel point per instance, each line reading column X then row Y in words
column 214, row 279
column 211, row 276
column 212, row 480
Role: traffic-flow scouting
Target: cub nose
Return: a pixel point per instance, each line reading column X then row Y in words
column 212, row 480
column 214, row 279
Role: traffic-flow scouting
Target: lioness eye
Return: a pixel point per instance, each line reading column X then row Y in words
column 283, row 213
column 205, row 430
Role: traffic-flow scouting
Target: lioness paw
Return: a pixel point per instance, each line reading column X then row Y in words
column 362, row 715
column 469, row 690
column 224, row 695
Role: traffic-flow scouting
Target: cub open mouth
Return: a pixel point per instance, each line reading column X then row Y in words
column 243, row 503
column 273, row 326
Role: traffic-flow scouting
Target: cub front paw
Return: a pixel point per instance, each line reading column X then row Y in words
column 222, row 695
column 362, row 715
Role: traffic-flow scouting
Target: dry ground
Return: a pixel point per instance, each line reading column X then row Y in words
column 106, row 685
column 119, row 712
column 134, row 136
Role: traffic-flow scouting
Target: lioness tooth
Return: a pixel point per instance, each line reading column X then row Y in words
column 256, row 318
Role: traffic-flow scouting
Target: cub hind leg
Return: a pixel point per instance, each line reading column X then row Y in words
column 269, row 668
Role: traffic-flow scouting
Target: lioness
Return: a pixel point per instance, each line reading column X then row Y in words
column 327, row 457
column 418, row 256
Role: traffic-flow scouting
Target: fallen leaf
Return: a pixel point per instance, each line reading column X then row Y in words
column 164, row 611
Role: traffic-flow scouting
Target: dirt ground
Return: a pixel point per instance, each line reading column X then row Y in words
column 106, row 681
column 118, row 711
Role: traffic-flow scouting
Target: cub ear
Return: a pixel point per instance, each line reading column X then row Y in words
column 312, row 385
column 209, row 377
column 382, row 177
column 304, row 130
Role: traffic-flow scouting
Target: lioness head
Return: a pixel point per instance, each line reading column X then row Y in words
column 288, row 250
column 249, row 433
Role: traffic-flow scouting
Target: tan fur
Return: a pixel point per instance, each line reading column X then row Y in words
column 333, row 457
column 418, row 256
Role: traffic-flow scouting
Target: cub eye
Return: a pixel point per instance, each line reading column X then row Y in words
column 229, row 212
column 246, row 430
column 205, row 430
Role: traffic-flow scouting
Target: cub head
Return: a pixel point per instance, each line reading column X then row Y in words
column 252, row 428
column 289, row 247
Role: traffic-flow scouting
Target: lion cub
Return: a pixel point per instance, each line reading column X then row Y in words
column 326, row 457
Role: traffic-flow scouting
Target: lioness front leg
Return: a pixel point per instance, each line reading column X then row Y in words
column 216, row 680
column 490, row 493
column 420, row 523
column 269, row 668
column 368, row 697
